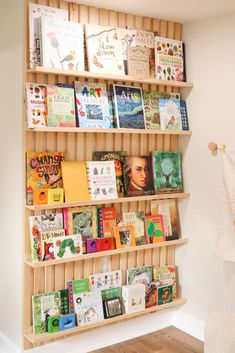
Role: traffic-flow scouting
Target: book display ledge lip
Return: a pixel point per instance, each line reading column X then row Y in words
column 95, row 255
column 107, row 76
column 46, row 337
column 108, row 201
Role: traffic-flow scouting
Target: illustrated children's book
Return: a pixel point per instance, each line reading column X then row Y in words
column 112, row 307
column 164, row 295
column 138, row 61
column 133, row 297
column 167, row 172
column 107, row 219
column 62, row 44
column 35, row 105
column 142, row 274
column 80, row 220
column 101, row 180
column 170, row 115
column 146, row 39
column 127, row 39
column 167, row 208
column 184, row 115
column 67, row 246
column 117, row 157
column 104, row 50
column 37, row 11
column 137, row 220
column 60, row 106
column 128, row 106
column 154, row 228
column 76, row 287
column 167, row 46
column 47, row 243
column 44, row 306
column 92, row 105
column 53, row 324
column 105, row 280
column 124, row 236
column 67, row 322
column 64, row 297
column 88, row 307
column 165, row 275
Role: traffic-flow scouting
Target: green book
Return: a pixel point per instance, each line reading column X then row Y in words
column 64, row 295
column 53, row 324
column 111, row 293
column 75, row 287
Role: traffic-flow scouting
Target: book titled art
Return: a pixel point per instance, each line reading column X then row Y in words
column 35, row 105
column 170, row 115
column 138, row 61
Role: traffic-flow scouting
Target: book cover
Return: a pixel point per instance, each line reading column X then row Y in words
column 60, row 106
column 62, row 44
column 138, row 61
column 37, row 11
column 146, row 39
column 141, row 274
column 184, row 115
column 76, row 287
column 151, row 295
column 88, row 307
column 91, row 245
column 92, row 105
column 112, row 307
column 154, row 228
column 101, row 180
column 111, row 293
column 107, row 219
column 74, row 175
column 67, row 246
column 43, row 306
column 117, row 157
column 166, row 275
column 127, row 39
column 42, row 223
column 164, row 295
column 105, row 280
column 167, row 172
column 55, row 196
column 169, row 68
column 167, row 208
column 67, row 322
column 129, row 106
column 53, row 324
column 104, row 50
column 170, row 115
column 124, row 236
column 64, row 297
column 47, row 243
column 133, row 297
column 36, row 108
column 167, row 46
column 80, row 220
column 138, row 176
column 137, row 220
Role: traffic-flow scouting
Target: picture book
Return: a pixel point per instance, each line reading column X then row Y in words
column 76, row 287
column 112, row 307
column 64, row 298
column 67, row 322
column 167, row 172
column 53, row 324
column 146, row 39
column 154, row 228
column 124, row 236
column 142, row 274
column 42, row 223
column 88, row 307
column 138, row 61
column 92, row 105
column 67, row 246
column 105, row 280
column 111, row 293
column 166, row 275
column 151, row 295
column 44, row 306
column 55, row 196
column 74, row 175
column 80, row 220
column 133, row 297
column 37, row 11
column 47, row 243
column 138, row 176
column 127, row 39
column 104, row 244
column 91, row 245
column 43, row 171
column 61, row 44
column 107, row 219
column 184, row 115
column 167, row 208
column 137, row 220
column 169, row 67
column 170, row 115
column 104, row 50
column 60, row 106
column 164, row 295
column 36, row 109
column 167, row 46
column 128, row 106
column 101, row 180
column 117, row 157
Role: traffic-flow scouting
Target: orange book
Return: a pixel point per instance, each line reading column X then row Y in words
column 124, row 236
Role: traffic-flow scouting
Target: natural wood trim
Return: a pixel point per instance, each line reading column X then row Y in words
column 112, row 201
column 46, row 337
column 103, row 76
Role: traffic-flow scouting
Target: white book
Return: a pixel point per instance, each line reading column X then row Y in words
column 170, row 116
column 36, row 108
column 105, row 280
column 127, row 38
column 133, row 297
column 37, row 11
column 62, row 44
column 67, row 246
column 104, row 50
column 88, row 307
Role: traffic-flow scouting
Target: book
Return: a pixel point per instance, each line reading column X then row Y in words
column 61, row 44
column 112, row 307
column 92, row 105
column 64, row 297
column 37, row 11
column 43, row 171
column 105, row 280
column 124, row 236
column 133, row 297
column 167, row 172
column 47, row 243
column 167, row 208
column 184, row 115
column 141, row 274
column 74, row 175
column 76, row 287
column 117, row 157
column 91, row 245
column 101, row 180
column 67, row 322
column 104, row 50
column 169, row 68
column 43, row 306
column 80, row 220
column 137, row 220
column 138, row 61
column 42, row 223
column 151, row 295
column 170, row 115
column 36, row 109
column 55, row 196
column 88, row 307
column 128, row 106
column 60, row 106
column 127, row 39
column 53, row 324
column 164, row 295
column 104, row 244
column 107, row 219
column 154, row 228
column 166, row 275
column 138, row 176
column 167, row 46
column 114, row 292
column 67, row 246
column 146, row 39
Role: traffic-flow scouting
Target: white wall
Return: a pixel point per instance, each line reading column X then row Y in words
column 11, row 168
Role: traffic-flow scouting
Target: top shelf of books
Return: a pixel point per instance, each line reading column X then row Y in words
column 103, row 76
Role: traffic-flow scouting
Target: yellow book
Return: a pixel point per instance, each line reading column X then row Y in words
column 75, row 181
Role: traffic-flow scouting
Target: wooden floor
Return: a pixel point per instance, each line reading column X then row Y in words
column 168, row 340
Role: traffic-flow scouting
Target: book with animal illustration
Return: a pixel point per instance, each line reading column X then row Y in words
column 124, row 236
column 154, row 228
column 43, row 306
column 166, row 275
column 47, row 243
column 117, row 157
column 141, row 274
column 104, row 50
column 92, row 105
column 67, row 322
column 137, row 220
column 67, row 246
column 133, row 297
column 37, row 11
column 167, row 172
column 107, row 219
column 88, row 307
column 42, row 223
column 36, row 108
column 138, row 61
column 60, row 106
column 105, row 280
column 62, row 44
column 76, row 287
column 170, row 115
column 101, row 180
column 128, row 106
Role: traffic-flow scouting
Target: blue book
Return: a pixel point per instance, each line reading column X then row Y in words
column 67, row 322
column 184, row 115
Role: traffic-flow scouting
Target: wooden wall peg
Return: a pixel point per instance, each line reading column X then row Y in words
column 213, row 147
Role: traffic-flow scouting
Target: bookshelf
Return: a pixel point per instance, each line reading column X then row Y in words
column 79, row 144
